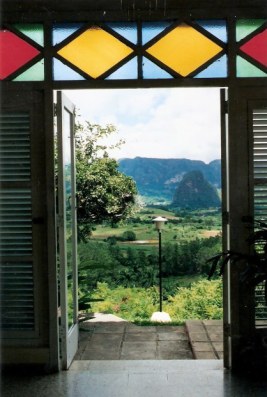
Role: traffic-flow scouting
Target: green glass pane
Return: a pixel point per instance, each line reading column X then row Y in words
column 246, row 69
column 35, row 73
column 33, row 31
column 246, row 26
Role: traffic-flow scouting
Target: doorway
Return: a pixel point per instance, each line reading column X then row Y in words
column 168, row 151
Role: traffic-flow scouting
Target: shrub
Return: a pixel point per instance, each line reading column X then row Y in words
column 203, row 300
column 128, row 235
column 132, row 304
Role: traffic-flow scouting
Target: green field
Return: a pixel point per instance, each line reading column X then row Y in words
column 177, row 229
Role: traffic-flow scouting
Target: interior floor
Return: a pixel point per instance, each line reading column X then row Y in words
column 135, row 378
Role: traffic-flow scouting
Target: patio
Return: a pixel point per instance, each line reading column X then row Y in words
column 108, row 337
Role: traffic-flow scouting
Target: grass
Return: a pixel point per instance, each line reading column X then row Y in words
column 151, row 212
column 145, row 232
column 147, row 323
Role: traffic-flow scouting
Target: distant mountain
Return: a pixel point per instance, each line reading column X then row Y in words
column 160, row 177
column 194, row 192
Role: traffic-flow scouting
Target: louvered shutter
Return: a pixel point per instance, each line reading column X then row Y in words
column 260, row 188
column 17, row 297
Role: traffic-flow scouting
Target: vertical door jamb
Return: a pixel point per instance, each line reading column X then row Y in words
column 225, row 225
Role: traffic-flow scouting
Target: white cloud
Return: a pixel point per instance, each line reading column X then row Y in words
column 165, row 123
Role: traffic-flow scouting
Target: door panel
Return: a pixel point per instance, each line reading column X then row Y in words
column 241, row 331
column 22, row 219
column 67, row 230
column 258, row 138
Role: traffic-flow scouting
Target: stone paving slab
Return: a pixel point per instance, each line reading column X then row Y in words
column 205, row 338
column 139, row 350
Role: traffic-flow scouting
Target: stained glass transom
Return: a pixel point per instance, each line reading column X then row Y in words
column 15, row 53
column 95, row 51
column 129, row 50
column 184, row 49
column 251, row 60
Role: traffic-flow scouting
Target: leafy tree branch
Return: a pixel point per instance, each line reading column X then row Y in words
column 103, row 192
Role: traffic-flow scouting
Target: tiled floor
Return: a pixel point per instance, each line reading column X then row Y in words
column 137, row 378
column 129, row 374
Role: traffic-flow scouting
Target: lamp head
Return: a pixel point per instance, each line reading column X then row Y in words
column 159, row 222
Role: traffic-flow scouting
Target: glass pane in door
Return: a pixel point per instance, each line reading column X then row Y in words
column 67, row 230
column 67, row 122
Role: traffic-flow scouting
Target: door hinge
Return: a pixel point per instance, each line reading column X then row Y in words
column 227, row 329
column 225, row 217
column 226, row 107
column 61, row 332
column 59, row 220
column 55, row 109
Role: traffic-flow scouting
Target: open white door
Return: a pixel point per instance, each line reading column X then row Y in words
column 67, row 230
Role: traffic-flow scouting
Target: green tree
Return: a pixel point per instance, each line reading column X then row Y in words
column 103, row 192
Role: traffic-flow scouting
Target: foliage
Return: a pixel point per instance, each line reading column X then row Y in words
column 128, row 235
column 252, row 266
column 103, row 192
column 126, row 264
column 189, row 257
column 96, row 263
column 203, row 300
column 131, row 304
column 107, row 263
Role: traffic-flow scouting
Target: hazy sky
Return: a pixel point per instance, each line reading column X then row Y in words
column 162, row 123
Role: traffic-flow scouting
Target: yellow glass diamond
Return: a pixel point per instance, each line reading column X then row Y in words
column 184, row 49
column 95, row 51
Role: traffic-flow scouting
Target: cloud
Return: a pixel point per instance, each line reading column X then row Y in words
column 164, row 123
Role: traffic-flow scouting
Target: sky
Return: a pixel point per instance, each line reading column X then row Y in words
column 158, row 123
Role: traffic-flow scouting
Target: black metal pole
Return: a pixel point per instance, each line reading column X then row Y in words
column 160, row 274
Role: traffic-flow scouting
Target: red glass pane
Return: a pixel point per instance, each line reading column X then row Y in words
column 257, row 47
column 14, row 53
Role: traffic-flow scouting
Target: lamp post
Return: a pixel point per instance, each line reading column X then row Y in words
column 159, row 223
